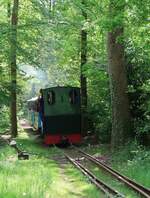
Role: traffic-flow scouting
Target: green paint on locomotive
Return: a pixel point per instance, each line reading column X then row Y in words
column 61, row 104
column 61, row 110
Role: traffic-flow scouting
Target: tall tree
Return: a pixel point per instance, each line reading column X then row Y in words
column 118, row 79
column 13, row 66
column 83, row 79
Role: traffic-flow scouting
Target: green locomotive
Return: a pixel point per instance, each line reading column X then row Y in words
column 59, row 116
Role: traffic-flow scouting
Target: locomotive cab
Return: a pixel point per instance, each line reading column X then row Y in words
column 62, row 119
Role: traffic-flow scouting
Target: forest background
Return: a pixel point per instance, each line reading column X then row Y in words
column 56, row 42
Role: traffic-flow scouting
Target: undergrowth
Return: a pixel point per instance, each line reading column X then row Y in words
column 134, row 160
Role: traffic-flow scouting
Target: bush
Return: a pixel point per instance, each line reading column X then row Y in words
column 99, row 102
column 139, row 89
column 4, row 115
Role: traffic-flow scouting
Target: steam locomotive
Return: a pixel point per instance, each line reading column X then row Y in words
column 56, row 114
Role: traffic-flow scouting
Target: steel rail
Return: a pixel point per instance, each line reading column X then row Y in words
column 109, row 191
column 145, row 192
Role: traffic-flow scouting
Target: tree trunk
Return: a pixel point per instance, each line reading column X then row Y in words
column 13, row 66
column 121, row 126
column 83, row 79
column 8, row 11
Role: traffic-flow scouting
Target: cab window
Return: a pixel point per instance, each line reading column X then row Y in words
column 73, row 97
column 51, row 97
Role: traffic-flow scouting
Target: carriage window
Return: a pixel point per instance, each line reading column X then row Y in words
column 51, row 97
column 73, row 97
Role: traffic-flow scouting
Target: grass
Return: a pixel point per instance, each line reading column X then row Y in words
column 72, row 173
column 114, row 183
column 39, row 177
column 136, row 165
column 132, row 160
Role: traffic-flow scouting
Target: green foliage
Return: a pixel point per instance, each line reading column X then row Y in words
column 133, row 160
column 138, row 59
column 4, row 115
column 99, row 101
column 49, row 38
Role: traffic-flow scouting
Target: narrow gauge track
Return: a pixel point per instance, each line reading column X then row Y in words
column 107, row 190
column 143, row 191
